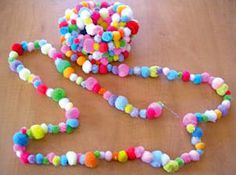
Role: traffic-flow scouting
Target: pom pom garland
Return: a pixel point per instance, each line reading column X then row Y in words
column 94, row 35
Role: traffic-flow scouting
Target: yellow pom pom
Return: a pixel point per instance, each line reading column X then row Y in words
column 68, row 71
column 56, row 160
column 115, row 58
column 115, row 24
column 128, row 108
column 153, row 71
column 190, row 128
column 69, row 53
column 116, row 35
column 200, row 145
column 37, row 132
column 96, row 46
column 122, row 156
column 88, row 21
column 218, row 113
column 80, row 61
column 117, row 44
column 122, row 24
column 30, row 78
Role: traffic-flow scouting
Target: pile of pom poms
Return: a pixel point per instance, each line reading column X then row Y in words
column 95, row 34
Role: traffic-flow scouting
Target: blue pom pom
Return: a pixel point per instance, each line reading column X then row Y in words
column 19, row 68
column 131, row 71
column 64, row 30
column 107, row 36
column 74, row 47
column 156, row 161
column 112, row 100
column 24, row 45
column 95, row 68
column 121, row 102
column 145, row 72
column 37, row 83
column 200, row 151
column 20, row 139
column 109, row 67
column 142, row 113
column 197, row 132
column 172, row 75
column 199, row 117
column 42, row 42
column 39, row 158
column 197, row 79
column 82, row 159
column 63, row 160
column 73, row 123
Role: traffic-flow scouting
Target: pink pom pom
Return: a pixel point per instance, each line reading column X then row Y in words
column 123, row 70
column 186, row 157
column 147, row 157
column 139, row 151
column 72, row 113
column 194, row 155
column 190, row 118
column 90, row 83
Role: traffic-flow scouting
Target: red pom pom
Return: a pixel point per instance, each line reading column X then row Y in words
column 63, row 24
column 126, row 54
column 103, row 47
column 186, row 76
column 102, row 69
column 133, row 26
column 17, row 48
column 96, row 88
column 24, row 158
column 150, row 113
column 131, row 153
column 42, row 89
column 228, row 92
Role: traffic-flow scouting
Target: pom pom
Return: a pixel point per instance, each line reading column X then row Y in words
column 154, row 110
column 121, row 102
column 42, row 89
column 122, row 156
column 71, row 157
column 156, row 162
column 20, row 139
column 72, row 113
column 90, row 160
column 58, row 94
column 147, row 157
column 17, row 48
column 123, row 70
column 37, row 132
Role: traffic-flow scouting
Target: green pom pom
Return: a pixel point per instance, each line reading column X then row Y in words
column 11, row 59
column 36, row 44
column 45, row 161
column 58, row 94
column 97, row 154
column 69, row 129
column 227, row 97
column 73, row 28
column 179, row 161
column 62, row 65
column 55, row 129
column 171, row 166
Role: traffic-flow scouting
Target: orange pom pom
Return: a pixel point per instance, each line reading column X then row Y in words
column 90, row 160
column 68, row 71
column 80, row 61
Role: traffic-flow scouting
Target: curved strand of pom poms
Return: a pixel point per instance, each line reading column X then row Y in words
column 155, row 158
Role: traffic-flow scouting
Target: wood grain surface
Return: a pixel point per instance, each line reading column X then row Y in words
column 197, row 35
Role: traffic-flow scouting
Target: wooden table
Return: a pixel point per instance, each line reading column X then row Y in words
column 198, row 35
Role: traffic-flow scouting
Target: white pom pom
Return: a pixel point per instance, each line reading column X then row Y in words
column 45, row 48
column 127, row 31
column 24, row 74
column 69, row 106
column 97, row 55
column 211, row 115
column 165, row 70
column 80, row 23
column 127, row 12
column 91, row 29
column 85, row 13
column 87, row 67
column 49, row 92
column 63, row 102
column 71, row 157
column 104, row 12
column 164, row 159
column 73, row 77
column 115, row 17
column 45, row 127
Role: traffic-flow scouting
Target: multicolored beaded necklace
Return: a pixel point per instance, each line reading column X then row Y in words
column 90, row 62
